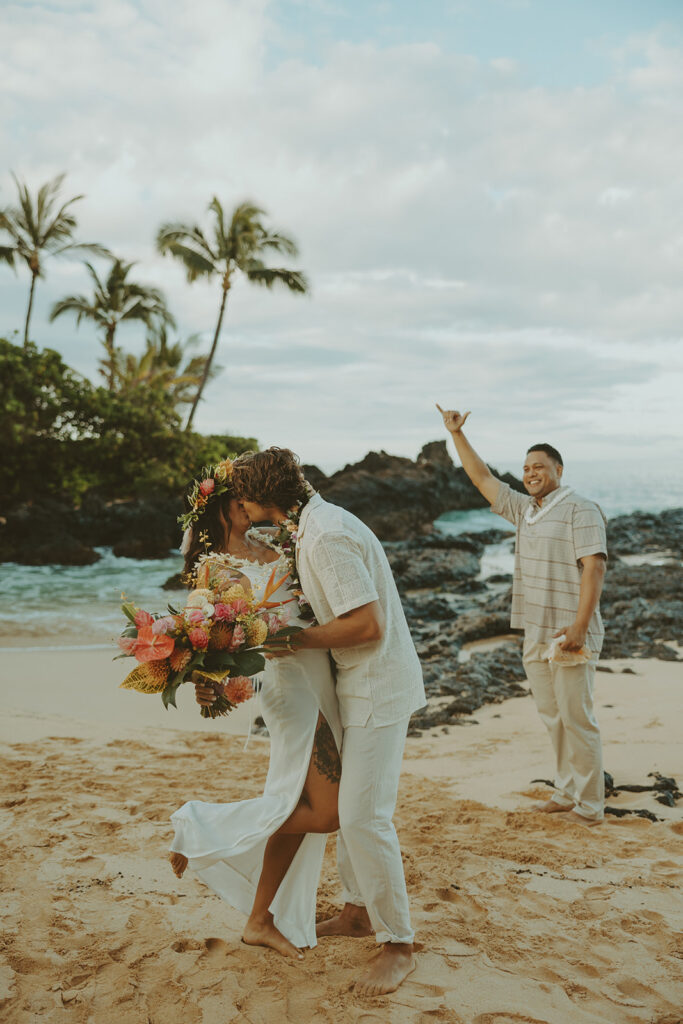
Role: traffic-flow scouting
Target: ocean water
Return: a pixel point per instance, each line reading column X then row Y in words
column 79, row 606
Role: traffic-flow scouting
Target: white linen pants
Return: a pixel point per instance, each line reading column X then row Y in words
column 564, row 698
column 368, row 854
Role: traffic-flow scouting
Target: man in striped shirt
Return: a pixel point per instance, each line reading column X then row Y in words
column 560, row 559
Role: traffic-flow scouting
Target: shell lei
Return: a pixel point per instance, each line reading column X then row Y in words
column 532, row 515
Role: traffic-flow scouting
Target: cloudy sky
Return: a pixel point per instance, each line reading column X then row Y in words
column 487, row 196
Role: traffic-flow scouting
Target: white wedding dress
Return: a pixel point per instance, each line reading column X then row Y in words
column 225, row 843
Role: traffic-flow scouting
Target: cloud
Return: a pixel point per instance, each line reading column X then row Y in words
column 466, row 234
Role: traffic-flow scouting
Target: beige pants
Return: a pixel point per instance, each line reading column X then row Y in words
column 564, row 698
column 368, row 855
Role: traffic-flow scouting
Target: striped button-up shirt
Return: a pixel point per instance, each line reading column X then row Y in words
column 547, row 578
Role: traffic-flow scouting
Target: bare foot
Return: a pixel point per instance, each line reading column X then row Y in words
column 578, row 819
column 551, row 807
column 178, row 863
column 264, row 933
column 353, row 921
column 387, row 971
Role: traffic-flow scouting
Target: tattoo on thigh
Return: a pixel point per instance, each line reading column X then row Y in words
column 325, row 755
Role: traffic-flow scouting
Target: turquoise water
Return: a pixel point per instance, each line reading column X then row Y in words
column 78, row 605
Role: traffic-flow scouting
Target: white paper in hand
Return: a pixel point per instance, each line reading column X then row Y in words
column 557, row 656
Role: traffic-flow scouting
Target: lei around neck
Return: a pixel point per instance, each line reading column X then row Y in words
column 286, row 538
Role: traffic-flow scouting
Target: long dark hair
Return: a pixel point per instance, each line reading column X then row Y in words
column 214, row 525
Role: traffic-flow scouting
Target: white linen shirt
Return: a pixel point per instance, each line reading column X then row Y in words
column 342, row 566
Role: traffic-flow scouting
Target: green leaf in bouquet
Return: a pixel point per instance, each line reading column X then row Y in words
column 249, row 663
column 131, row 630
column 172, row 610
column 216, row 660
column 129, row 611
column 169, row 692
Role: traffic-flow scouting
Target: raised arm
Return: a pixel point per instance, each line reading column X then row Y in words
column 475, row 467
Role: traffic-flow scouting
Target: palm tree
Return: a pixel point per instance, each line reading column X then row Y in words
column 239, row 246
column 37, row 230
column 115, row 300
column 160, row 366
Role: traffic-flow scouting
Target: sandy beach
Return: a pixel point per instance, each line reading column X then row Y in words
column 519, row 917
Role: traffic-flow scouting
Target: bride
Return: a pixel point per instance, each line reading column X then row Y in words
column 264, row 855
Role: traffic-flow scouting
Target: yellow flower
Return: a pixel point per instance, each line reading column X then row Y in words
column 223, row 470
column 256, row 631
column 234, row 593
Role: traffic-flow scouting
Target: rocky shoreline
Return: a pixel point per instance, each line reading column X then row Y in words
column 448, row 604
column 449, row 608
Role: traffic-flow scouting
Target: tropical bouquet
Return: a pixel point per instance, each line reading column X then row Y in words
column 219, row 639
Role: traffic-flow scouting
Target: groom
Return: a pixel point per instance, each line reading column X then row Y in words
column 347, row 580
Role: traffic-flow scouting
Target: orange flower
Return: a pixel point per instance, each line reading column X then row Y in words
column 152, row 647
column 238, row 689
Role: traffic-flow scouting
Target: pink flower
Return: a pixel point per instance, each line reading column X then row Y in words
column 127, row 643
column 238, row 637
column 149, row 647
column 195, row 615
column 207, row 486
column 229, row 612
column 163, row 625
column 275, row 623
column 238, row 690
column 143, row 618
column 198, row 638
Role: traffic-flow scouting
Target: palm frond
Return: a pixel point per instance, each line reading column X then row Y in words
column 293, row 280
column 196, row 265
column 281, row 243
column 219, row 229
column 24, row 216
column 173, row 234
column 78, row 304
column 93, row 247
column 7, row 254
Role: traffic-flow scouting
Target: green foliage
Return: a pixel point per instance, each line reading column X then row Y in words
column 62, row 436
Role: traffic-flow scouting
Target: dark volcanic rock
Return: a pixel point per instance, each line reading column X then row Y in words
column 642, row 604
column 487, row 677
column 643, row 532
column 135, row 528
column 49, row 531
column 397, row 497
column 432, row 567
column 499, row 672
column 43, row 534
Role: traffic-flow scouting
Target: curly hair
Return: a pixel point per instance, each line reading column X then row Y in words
column 215, row 524
column 271, row 477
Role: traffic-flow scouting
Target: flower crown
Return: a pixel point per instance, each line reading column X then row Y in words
column 214, row 480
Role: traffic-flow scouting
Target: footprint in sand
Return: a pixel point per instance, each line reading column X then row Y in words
column 217, row 947
column 187, row 945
